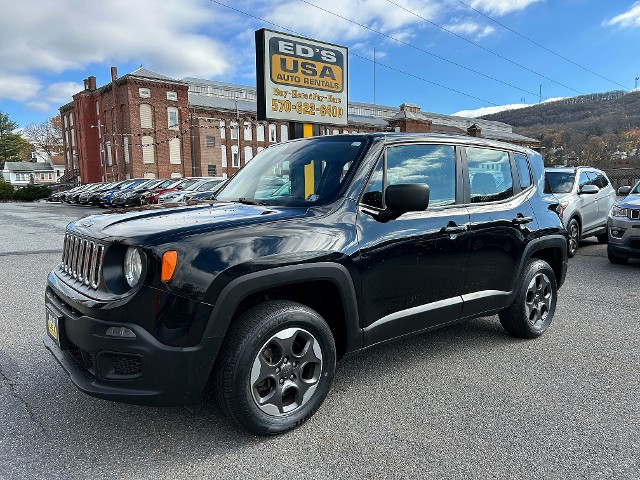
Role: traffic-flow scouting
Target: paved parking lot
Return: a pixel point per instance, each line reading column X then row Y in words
column 467, row 401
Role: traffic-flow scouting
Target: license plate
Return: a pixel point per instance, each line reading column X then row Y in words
column 53, row 326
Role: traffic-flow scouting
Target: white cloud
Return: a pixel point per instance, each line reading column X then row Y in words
column 471, row 29
column 17, row 87
column 501, row 7
column 54, row 36
column 377, row 14
column 480, row 112
column 628, row 19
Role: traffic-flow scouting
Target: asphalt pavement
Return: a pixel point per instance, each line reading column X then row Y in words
column 467, row 401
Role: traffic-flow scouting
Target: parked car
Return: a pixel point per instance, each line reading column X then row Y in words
column 586, row 196
column 207, row 194
column 624, row 226
column 95, row 197
column 66, row 195
column 132, row 196
column 178, row 196
column 75, row 196
column 378, row 236
column 107, row 197
column 152, row 196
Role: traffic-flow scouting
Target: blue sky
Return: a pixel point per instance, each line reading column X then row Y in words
column 50, row 46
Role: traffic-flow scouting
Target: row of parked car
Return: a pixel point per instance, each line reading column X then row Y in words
column 141, row 191
column 589, row 208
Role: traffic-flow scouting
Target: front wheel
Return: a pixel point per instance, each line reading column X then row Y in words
column 532, row 310
column 275, row 367
column 573, row 228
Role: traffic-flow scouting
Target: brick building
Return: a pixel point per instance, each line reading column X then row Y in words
column 144, row 124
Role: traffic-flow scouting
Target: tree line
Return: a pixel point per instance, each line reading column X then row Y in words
column 16, row 145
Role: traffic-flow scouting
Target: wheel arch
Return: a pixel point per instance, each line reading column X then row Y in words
column 324, row 286
column 553, row 250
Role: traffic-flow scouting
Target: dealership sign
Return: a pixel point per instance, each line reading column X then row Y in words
column 300, row 79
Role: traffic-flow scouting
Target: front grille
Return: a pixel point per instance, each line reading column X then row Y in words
column 82, row 259
column 634, row 214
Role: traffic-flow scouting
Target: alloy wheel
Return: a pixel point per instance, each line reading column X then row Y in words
column 574, row 232
column 286, row 371
column 539, row 299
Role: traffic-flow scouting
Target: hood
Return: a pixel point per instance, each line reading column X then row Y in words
column 630, row 201
column 563, row 196
column 143, row 225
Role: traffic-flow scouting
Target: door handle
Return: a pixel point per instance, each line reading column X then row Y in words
column 521, row 220
column 453, row 228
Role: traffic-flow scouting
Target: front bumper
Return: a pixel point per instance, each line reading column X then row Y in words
column 139, row 370
column 624, row 237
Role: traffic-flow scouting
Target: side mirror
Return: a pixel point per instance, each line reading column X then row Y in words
column 624, row 191
column 589, row 189
column 407, row 197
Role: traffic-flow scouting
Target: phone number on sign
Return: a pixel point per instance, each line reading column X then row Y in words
column 306, row 108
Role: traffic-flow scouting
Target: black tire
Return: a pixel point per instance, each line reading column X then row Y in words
column 532, row 310
column 603, row 238
column 274, row 401
column 573, row 229
column 616, row 259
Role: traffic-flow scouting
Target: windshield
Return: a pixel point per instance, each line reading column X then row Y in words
column 636, row 189
column 298, row 173
column 208, row 185
column 194, row 186
column 559, row 182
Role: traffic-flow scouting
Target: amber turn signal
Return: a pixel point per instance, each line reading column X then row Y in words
column 169, row 262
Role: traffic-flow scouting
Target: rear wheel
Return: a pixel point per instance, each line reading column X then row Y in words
column 573, row 228
column 532, row 310
column 275, row 367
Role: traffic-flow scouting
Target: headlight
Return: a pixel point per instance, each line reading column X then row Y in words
column 618, row 211
column 132, row 266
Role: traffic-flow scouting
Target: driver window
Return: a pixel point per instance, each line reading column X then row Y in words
column 433, row 165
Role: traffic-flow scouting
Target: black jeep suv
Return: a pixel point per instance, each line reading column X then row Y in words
column 316, row 248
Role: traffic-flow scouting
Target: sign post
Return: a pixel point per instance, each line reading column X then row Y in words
column 301, row 80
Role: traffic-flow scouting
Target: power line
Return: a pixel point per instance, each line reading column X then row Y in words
column 419, row 49
column 484, row 48
column 360, row 56
column 541, row 46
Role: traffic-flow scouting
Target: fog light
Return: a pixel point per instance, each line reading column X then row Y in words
column 120, row 332
column 617, row 232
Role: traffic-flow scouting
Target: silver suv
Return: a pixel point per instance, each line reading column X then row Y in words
column 624, row 226
column 586, row 196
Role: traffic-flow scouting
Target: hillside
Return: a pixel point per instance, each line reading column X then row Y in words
column 593, row 126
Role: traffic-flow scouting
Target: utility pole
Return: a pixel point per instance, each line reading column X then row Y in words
column 374, row 75
column 193, row 145
column 637, row 78
column 540, row 98
column 522, row 99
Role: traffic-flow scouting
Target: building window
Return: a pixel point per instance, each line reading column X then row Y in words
column 172, row 95
column 146, row 116
column 248, row 154
column 125, row 149
column 49, row 176
column 148, row 149
column 247, row 131
column 272, row 133
column 235, row 156
column 144, row 93
column 284, row 133
column 260, row 132
column 336, row 131
column 211, row 170
column 174, row 151
column 224, row 156
column 109, row 158
column 71, row 119
column 211, row 141
column 176, row 175
column 222, row 129
column 234, row 130
column 172, row 115
column 42, row 176
column 149, row 175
